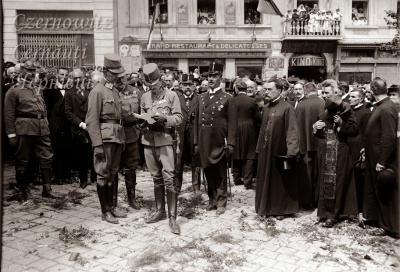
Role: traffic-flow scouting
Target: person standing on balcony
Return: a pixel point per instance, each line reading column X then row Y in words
column 337, row 18
column 294, row 22
column 311, row 22
column 318, row 23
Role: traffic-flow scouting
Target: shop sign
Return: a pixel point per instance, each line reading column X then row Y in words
column 230, row 13
column 306, row 61
column 226, row 54
column 182, row 13
column 210, row 47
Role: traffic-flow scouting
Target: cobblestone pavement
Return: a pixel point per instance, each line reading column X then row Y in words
column 42, row 235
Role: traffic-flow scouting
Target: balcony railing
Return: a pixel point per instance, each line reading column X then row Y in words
column 317, row 28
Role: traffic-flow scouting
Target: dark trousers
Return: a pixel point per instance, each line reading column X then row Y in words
column 217, row 183
column 130, row 156
column 40, row 145
column 83, row 158
column 243, row 169
column 62, row 158
column 307, row 170
column 107, row 167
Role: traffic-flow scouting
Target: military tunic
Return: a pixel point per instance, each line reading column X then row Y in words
column 215, row 126
column 104, row 124
column 130, row 102
column 158, row 140
column 25, row 116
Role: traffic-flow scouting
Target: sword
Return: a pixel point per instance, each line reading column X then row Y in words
column 227, row 171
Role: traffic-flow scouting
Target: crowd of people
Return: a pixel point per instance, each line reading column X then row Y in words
column 206, row 16
column 330, row 146
column 312, row 21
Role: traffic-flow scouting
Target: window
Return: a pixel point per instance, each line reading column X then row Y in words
column 205, row 12
column 202, row 65
column 251, row 15
column 359, row 12
column 359, row 77
column 251, row 68
column 164, row 64
column 162, row 16
column 304, row 4
column 358, row 53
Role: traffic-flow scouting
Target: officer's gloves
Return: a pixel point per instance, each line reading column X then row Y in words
column 14, row 141
column 229, row 151
column 196, row 149
column 99, row 152
column 82, row 125
column 159, row 118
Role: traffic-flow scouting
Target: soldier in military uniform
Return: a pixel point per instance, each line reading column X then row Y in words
column 215, row 137
column 189, row 101
column 164, row 107
column 104, row 124
column 130, row 99
column 28, row 129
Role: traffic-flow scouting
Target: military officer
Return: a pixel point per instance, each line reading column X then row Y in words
column 215, row 137
column 188, row 100
column 164, row 107
column 104, row 124
column 130, row 99
column 28, row 129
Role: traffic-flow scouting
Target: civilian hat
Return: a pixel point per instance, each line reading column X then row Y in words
column 29, row 65
column 336, row 105
column 387, row 177
column 394, row 88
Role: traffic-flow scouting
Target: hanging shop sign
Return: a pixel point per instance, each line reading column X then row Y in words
column 306, row 60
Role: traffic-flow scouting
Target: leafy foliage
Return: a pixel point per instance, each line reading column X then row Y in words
column 393, row 21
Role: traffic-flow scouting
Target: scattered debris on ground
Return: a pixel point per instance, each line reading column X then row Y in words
column 77, row 236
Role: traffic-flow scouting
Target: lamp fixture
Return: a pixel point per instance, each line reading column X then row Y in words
column 209, row 39
column 254, row 39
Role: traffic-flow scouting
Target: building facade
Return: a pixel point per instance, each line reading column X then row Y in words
column 70, row 33
column 187, row 34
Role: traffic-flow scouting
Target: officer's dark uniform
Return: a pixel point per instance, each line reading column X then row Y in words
column 104, row 124
column 130, row 100
column 215, row 128
column 26, row 121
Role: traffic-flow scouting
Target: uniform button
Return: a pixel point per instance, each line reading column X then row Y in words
column 212, row 113
column 202, row 125
column 211, row 125
column 212, row 118
column 213, row 107
column 203, row 119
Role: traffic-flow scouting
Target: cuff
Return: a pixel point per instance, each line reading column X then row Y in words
column 11, row 135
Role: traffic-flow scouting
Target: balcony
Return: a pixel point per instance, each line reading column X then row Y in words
column 319, row 30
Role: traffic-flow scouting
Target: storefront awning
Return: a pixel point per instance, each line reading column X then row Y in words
column 304, row 47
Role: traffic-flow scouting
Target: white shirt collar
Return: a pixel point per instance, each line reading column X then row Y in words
column 214, row 91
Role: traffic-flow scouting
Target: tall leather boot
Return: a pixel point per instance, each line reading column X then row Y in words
column 112, row 192
column 172, row 202
column 159, row 194
column 130, row 182
column 105, row 209
column 22, row 181
column 46, row 181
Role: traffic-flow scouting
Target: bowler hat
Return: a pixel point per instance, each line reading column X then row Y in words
column 387, row 177
column 187, row 79
column 215, row 68
column 336, row 105
column 113, row 63
column 151, row 74
column 29, row 65
column 394, row 88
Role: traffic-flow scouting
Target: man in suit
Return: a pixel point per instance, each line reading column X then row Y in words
column 163, row 106
column 189, row 101
column 382, row 200
column 60, row 128
column 76, row 106
column 244, row 156
column 215, row 137
column 307, row 114
column 104, row 124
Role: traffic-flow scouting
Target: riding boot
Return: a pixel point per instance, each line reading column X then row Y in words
column 46, row 181
column 105, row 209
column 112, row 192
column 22, row 181
column 159, row 194
column 172, row 202
column 130, row 182
column 83, row 179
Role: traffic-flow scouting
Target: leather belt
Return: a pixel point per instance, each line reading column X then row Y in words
column 158, row 128
column 34, row 116
column 111, row 121
column 129, row 124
